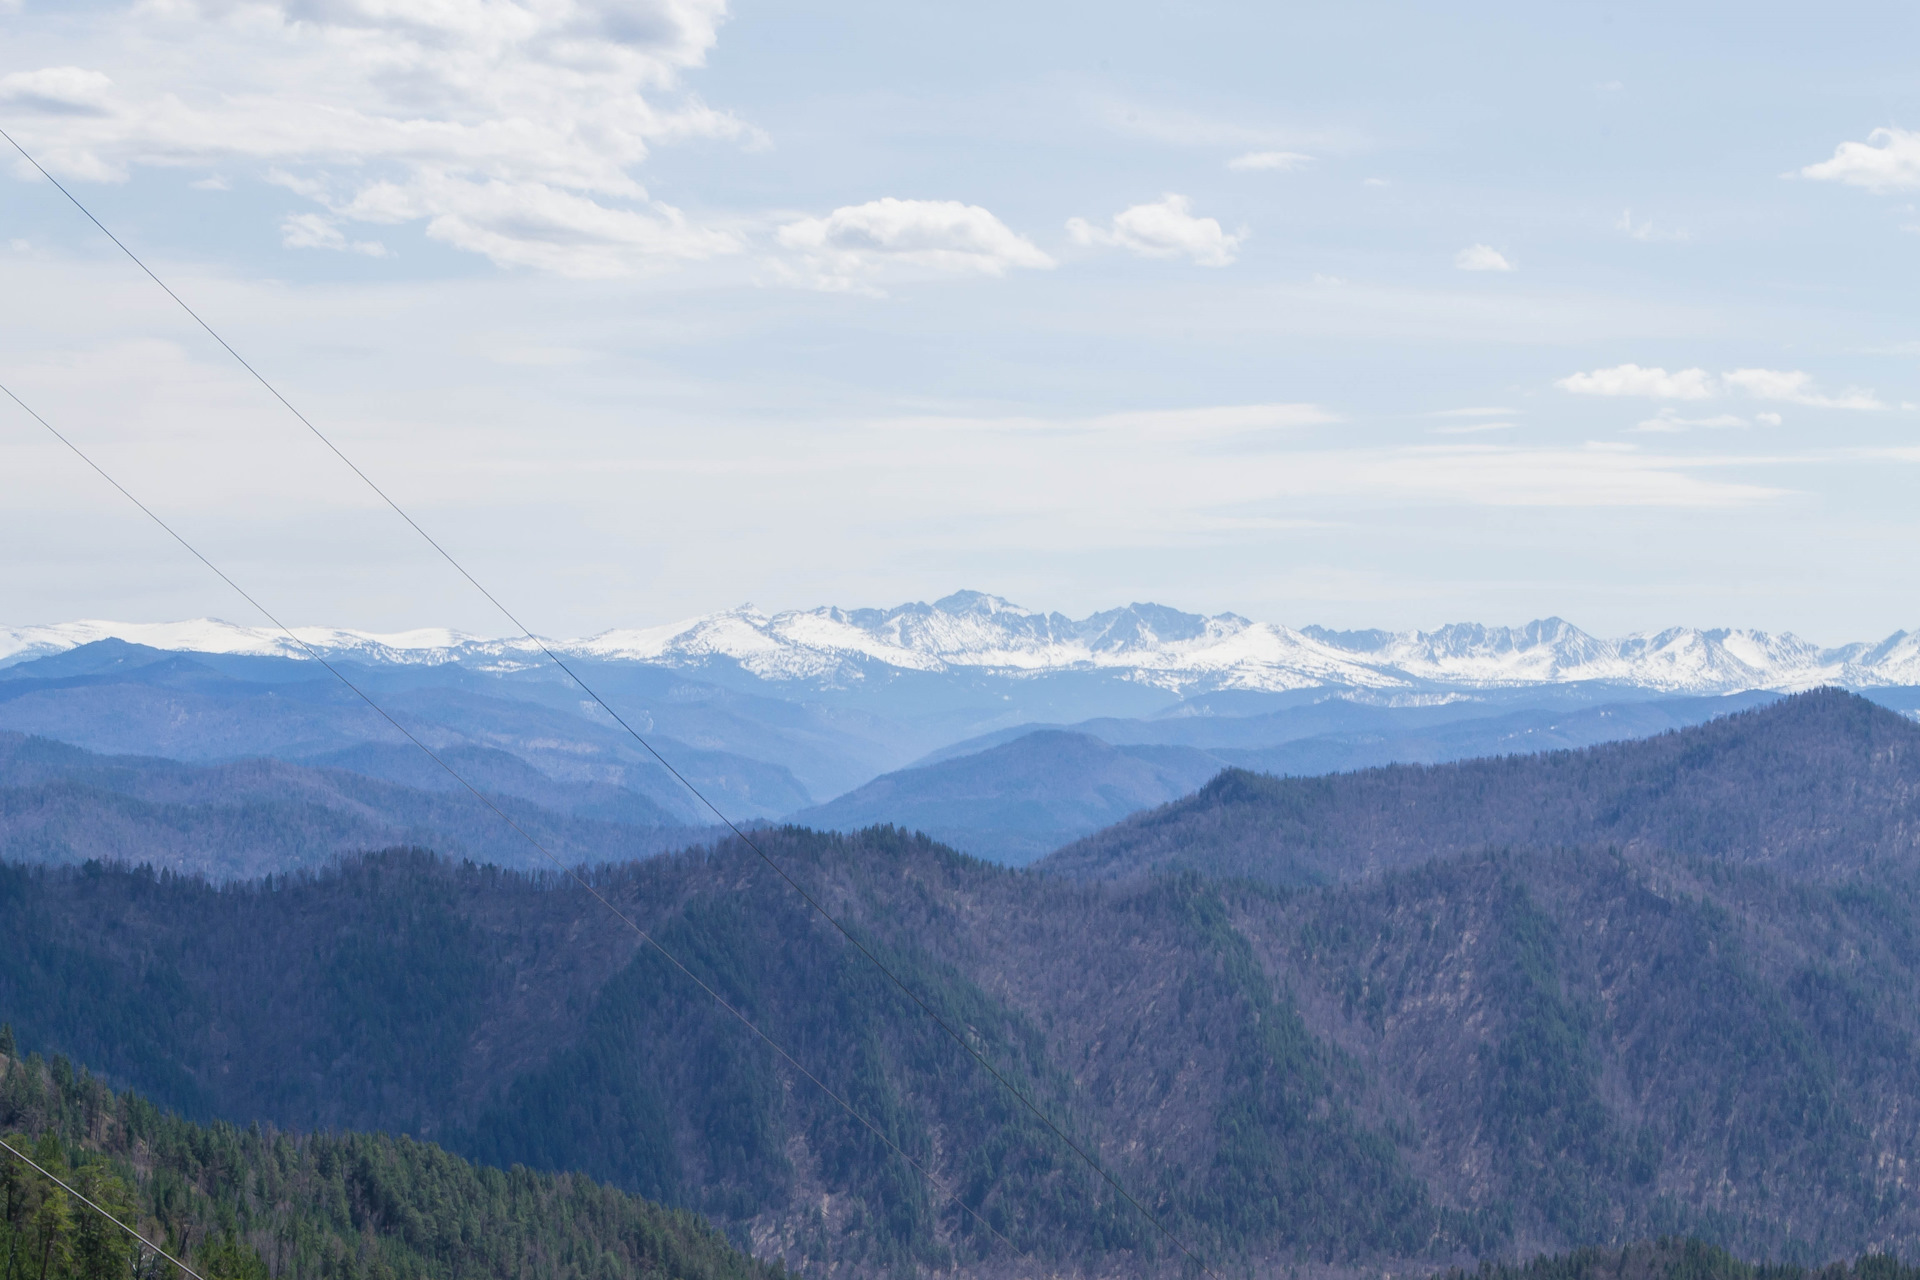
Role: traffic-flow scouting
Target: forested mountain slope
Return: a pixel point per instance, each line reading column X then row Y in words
column 1020, row 794
column 1491, row 1054
column 62, row 805
column 243, row 1204
column 1821, row 783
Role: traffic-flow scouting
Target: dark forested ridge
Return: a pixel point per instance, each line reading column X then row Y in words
column 246, row 1204
column 1822, row 783
column 1496, row 1054
column 1674, row 1258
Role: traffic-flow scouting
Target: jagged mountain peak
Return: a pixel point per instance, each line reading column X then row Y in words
column 1143, row 642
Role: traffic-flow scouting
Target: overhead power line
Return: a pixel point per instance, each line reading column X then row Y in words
column 571, row 872
column 952, row 1032
column 53, row 1178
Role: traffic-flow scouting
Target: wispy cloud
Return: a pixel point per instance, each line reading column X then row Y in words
column 1645, row 230
column 1481, row 257
column 1793, row 386
column 1282, row 161
column 317, row 231
column 1669, row 421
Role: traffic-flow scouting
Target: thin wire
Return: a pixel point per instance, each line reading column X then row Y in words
column 500, row 813
column 102, row 1212
column 635, row 734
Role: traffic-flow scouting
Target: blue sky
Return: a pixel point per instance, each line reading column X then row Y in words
column 1361, row 315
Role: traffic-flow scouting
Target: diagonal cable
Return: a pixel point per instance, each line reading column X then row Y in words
column 664, row 763
column 571, row 872
column 51, row 1177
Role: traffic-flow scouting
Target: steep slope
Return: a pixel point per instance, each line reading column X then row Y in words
column 60, row 804
column 245, row 1204
column 1819, row 784
column 1489, row 1055
column 1014, row 802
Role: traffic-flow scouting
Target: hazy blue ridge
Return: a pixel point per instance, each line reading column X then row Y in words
column 1031, row 792
column 62, row 805
column 1014, row 802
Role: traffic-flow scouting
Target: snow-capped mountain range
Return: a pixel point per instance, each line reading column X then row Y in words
column 1180, row 652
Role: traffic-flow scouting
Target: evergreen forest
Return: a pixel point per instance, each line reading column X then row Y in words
column 251, row 1203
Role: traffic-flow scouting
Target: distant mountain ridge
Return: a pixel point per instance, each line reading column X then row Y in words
column 1149, row 644
column 62, row 805
column 1021, row 794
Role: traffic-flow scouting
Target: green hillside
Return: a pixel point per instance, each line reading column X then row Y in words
column 243, row 1204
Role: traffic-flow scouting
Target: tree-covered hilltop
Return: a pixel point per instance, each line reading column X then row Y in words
column 252, row 1203
column 1819, row 785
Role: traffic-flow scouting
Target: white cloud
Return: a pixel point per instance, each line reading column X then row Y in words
column 858, row 243
column 57, row 91
column 1632, row 380
column 1284, row 161
column 1767, row 419
column 1481, row 257
column 1474, row 411
column 1792, row 385
column 1889, row 158
column 1668, row 421
column 1164, row 229
column 317, row 231
column 1472, row 429
column 1797, row 387
column 510, row 127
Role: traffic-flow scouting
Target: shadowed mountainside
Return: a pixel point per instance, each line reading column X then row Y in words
column 1819, row 783
column 1497, row 1053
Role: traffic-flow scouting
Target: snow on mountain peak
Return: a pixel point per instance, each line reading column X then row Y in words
column 1150, row 643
